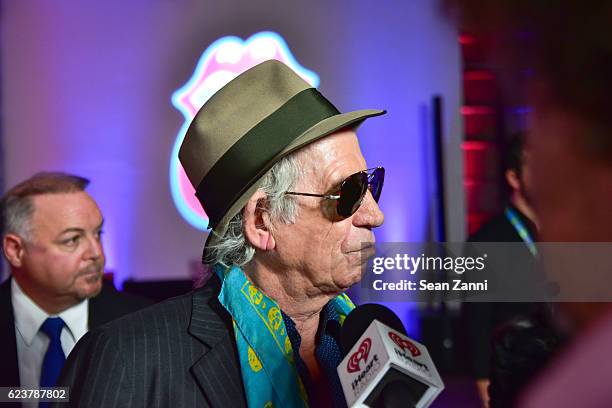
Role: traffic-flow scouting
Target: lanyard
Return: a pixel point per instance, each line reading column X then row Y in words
column 521, row 230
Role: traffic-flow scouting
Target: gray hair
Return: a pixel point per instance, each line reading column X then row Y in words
column 16, row 207
column 233, row 248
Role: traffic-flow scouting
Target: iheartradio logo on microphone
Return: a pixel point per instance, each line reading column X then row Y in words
column 405, row 344
column 361, row 354
column 370, row 368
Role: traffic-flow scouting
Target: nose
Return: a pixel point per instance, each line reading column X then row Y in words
column 369, row 214
column 94, row 249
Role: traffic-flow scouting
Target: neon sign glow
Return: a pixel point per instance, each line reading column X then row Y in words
column 222, row 61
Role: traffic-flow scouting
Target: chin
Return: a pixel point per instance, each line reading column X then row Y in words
column 349, row 279
column 89, row 288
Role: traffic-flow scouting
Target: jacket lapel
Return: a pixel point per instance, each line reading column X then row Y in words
column 218, row 370
column 9, row 375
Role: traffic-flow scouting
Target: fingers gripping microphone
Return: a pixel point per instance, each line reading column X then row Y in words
column 382, row 367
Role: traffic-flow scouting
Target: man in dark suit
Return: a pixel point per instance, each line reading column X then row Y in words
column 516, row 224
column 51, row 240
column 292, row 205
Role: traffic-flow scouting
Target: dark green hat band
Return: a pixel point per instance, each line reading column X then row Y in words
column 251, row 156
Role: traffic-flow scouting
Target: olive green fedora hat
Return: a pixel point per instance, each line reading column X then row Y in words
column 259, row 117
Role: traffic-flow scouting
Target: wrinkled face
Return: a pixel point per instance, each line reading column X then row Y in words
column 65, row 256
column 328, row 252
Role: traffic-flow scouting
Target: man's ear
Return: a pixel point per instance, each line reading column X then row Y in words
column 513, row 179
column 13, row 247
column 256, row 223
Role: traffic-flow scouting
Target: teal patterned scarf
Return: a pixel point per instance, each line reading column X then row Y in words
column 269, row 373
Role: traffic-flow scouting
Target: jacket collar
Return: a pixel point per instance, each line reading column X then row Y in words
column 217, row 371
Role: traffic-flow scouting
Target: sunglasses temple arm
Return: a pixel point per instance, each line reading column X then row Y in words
column 327, row 197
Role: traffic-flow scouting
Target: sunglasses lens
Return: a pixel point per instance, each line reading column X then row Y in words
column 351, row 194
column 376, row 182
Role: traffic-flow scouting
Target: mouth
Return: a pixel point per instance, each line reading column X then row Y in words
column 91, row 271
column 364, row 253
column 365, row 247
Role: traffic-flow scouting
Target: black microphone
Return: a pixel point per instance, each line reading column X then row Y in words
column 358, row 321
column 382, row 367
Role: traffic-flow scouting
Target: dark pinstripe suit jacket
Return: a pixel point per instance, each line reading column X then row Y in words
column 178, row 353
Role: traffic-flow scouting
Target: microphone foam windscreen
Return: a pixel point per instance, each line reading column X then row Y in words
column 360, row 318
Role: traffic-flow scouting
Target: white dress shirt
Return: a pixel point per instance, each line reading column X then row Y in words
column 32, row 343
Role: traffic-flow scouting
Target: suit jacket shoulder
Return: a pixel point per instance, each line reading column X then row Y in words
column 177, row 353
column 9, row 374
column 499, row 229
column 111, row 304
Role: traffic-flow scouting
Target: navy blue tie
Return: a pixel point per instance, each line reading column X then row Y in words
column 54, row 358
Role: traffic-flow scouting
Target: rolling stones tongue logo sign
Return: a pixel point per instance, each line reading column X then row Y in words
column 361, row 354
column 405, row 344
column 222, row 61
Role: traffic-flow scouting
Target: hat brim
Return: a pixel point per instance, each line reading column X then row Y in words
column 316, row 132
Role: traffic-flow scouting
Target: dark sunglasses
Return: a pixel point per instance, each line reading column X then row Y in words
column 352, row 190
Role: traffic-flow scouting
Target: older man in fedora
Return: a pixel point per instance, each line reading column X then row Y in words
column 292, row 206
